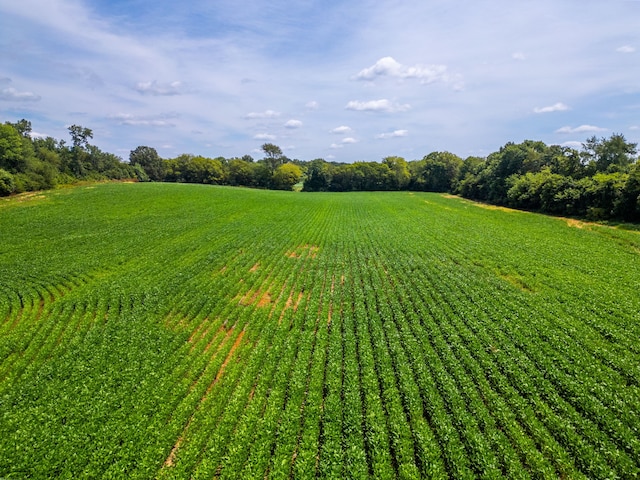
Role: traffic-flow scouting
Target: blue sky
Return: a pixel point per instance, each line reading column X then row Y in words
column 343, row 80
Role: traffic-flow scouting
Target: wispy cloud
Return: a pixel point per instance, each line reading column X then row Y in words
column 556, row 107
column 265, row 136
column 13, row 95
column 341, row 130
column 626, row 49
column 164, row 120
column 394, row 134
column 263, row 115
column 155, row 88
column 382, row 105
column 581, row 129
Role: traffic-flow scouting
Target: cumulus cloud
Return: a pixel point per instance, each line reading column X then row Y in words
column 160, row 89
column 143, row 121
column 581, row 129
column 264, row 136
column 13, row 95
column 341, row 130
column 382, row 105
column 626, row 49
column 343, row 142
column 265, row 114
column 293, row 124
column 389, row 67
column 394, row 134
column 556, row 107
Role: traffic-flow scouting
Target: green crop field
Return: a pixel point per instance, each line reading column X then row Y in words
column 187, row 331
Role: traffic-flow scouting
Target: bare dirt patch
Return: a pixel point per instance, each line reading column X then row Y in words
column 258, row 298
column 255, row 267
column 311, row 251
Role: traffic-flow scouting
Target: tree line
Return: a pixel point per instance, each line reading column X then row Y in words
column 600, row 181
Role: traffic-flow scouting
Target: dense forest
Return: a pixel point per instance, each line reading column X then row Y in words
column 601, row 181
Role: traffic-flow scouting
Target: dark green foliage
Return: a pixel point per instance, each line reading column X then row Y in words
column 149, row 160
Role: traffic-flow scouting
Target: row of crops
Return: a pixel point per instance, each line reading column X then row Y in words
column 176, row 331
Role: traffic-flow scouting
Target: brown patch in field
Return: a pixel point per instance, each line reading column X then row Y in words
column 448, row 195
column 213, row 339
column 223, row 269
column 226, row 361
column 310, row 250
column 171, row 458
column 486, row 206
column 342, row 280
column 255, row 267
column 257, row 298
column 265, row 299
column 297, row 304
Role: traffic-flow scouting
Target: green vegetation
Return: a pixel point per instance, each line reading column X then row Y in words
column 601, row 182
column 187, row 331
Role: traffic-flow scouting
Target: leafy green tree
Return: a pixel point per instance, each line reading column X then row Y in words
column 7, row 183
column 149, row 160
column 23, row 127
column 614, row 154
column 239, row 172
column 436, row 172
column 401, row 176
column 273, row 156
column 629, row 204
column 286, row 176
column 12, row 154
column 318, row 177
column 80, row 136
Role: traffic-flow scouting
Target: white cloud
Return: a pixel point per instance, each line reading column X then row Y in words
column 264, row 136
column 312, row 105
column 581, row 129
column 336, row 145
column 556, row 107
column 265, row 114
column 144, row 121
column 11, row 94
column 388, row 66
column 626, row 49
column 349, row 140
column 293, row 124
column 394, row 134
column 634, row 127
column 155, row 88
column 382, row 105
column 341, row 130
